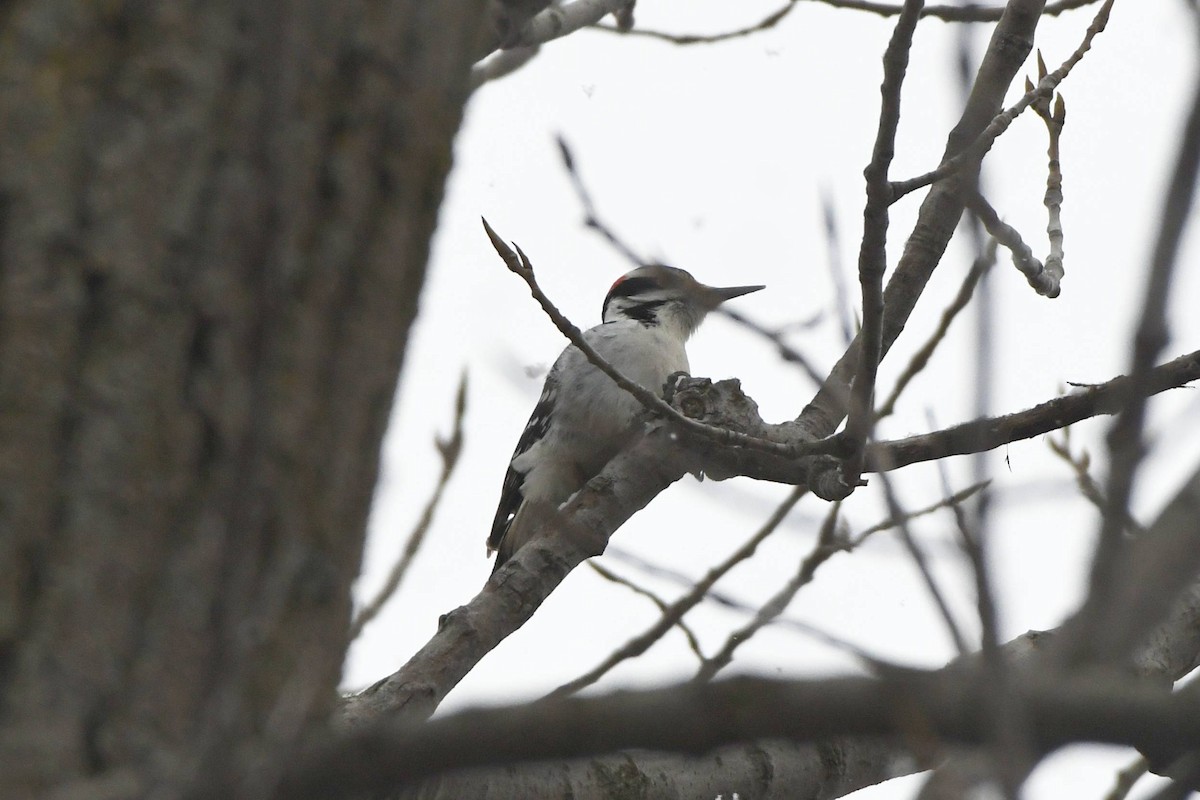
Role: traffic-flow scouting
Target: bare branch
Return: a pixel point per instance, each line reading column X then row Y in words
column 613, row 577
column 921, row 358
column 563, row 539
column 1045, row 281
column 726, row 600
column 990, row 433
column 1055, row 120
column 841, row 297
column 449, row 450
column 826, row 545
column 938, row 218
column 1088, row 487
column 1126, row 778
column 785, row 351
column 500, row 64
column 891, row 522
column 766, row 23
column 764, row 769
column 1165, row 656
column 698, row 717
column 557, row 21
column 982, row 143
column 1012, row 753
column 1156, row 570
column 642, row 642
column 591, row 218
column 872, row 257
column 918, row 557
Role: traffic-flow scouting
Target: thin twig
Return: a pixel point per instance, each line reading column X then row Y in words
column 831, row 540
column 734, row 604
column 1011, row 40
column 1009, row 728
column 841, row 297
column 1055, row 120
column 921, row 358
column 449, row 449
column 643, row 641
column 828, row 542
column 1088, row 487
column 609, row 575
column 891, row 522
column 591, row 218
column 872, row 257
column 786, row 352
column 918, row 556
column 1000, row 123
column 1044, row 281
column 518, row 263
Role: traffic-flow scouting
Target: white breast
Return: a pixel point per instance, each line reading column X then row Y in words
column 593, row 416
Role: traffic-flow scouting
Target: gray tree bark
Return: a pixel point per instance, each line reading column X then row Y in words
column 214, row 224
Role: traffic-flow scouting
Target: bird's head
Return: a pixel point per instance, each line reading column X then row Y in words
column 660, row 295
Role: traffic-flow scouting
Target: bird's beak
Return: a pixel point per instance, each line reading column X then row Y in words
column 723, row 293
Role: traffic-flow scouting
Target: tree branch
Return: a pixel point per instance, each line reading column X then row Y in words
column 1169, row 652
column 988, row 434
column 449, row 449
column 953, row 161
column 697, row 717
column 1011, row 42
column 872, row 256
column 580, row 529
column 1125, row 437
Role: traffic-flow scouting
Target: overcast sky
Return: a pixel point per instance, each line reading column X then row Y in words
column 715, row 158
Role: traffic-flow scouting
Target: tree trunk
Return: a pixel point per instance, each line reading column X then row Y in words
column 214, row 224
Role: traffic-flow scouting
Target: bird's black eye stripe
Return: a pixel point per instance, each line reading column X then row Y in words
column 632, row 286
column 645, row 313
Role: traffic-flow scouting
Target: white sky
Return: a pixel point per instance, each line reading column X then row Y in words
column 714, row 158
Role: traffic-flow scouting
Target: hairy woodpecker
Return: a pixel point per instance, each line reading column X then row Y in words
column 583, row 418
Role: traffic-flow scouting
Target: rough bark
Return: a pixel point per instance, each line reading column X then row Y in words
column 214, row 223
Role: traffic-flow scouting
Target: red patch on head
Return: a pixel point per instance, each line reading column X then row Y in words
column 617, row 283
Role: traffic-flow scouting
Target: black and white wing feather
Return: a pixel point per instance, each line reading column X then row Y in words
column 510, row 494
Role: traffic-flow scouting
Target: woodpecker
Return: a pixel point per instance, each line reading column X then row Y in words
column 583, row 418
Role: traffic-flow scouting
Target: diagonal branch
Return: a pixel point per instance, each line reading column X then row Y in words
column 591, row 217
column 922, row 564
column 659, row 603
column 450, row 449
column 643, row 641
column 920, row 358
column 565, row 538
column 827, row 545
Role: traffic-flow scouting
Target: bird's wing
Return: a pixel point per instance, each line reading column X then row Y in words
column 510, row 493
